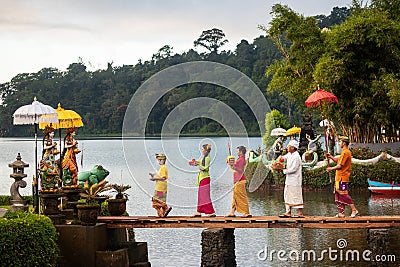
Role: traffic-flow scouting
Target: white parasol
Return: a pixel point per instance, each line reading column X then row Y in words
column 278, row 132
column 326, row 123
column 35, row 113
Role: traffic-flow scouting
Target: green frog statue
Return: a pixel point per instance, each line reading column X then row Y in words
column 94, row 176
column 48, row 168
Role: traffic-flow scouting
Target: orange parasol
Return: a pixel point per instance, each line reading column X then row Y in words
column 318, row 99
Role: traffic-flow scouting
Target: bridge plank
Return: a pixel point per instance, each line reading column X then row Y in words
column 320, row 222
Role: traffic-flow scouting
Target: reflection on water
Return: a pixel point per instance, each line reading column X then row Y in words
column 182, row 247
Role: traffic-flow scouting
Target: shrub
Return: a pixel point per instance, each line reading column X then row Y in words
column 363, row 153
column 27, row 240
column 5, row 200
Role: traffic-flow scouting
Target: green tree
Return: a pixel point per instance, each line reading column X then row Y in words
column 211, row 40
column 357, row 60
column 361, row 67
column 293, row 74
column 338, row 15
column 392, row 7
column 273, row 119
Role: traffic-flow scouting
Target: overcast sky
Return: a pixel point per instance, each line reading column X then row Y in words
column 45, row 33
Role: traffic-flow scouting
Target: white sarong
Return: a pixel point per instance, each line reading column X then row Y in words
column 293, row 196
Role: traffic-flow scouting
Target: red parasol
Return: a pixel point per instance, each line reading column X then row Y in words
column 320, row 97
column 317, row 99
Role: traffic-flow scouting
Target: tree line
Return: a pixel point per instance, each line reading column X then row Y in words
column 101, row 97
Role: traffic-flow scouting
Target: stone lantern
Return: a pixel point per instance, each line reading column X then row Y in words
column 17, row 201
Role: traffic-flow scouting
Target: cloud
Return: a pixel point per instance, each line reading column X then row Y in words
column 46, row 33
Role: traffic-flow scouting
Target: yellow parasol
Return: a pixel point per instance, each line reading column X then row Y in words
column 67, row 118
column 293, row 130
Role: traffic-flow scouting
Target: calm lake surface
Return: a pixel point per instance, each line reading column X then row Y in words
column 130, row 161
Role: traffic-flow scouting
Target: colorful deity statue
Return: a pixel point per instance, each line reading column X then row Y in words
column 69, row 164
column 48, row 168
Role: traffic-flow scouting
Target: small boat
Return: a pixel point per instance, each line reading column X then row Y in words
column 384, row 188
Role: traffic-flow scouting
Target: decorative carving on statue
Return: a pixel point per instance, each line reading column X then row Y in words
column 69, row 164
column 49, row 174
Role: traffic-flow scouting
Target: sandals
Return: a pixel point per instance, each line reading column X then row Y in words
column 167, row 212
column 353, row 215
column 231, row 215
column 247, row 216
column 285, row 215
column 212, row 215
column 196, row 215
column 340, row 215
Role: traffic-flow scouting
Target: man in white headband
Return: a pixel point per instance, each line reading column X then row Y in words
column 293, row 194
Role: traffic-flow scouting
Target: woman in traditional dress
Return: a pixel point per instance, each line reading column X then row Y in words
column 69, row 164
column 240, row 202
column 159, row 199
column 48, row 167
column 204, row 204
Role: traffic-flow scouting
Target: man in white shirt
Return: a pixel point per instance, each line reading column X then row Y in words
column 293, row 194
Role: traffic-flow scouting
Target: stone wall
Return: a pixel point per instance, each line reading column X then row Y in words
column 378, row 243
column 218, row 247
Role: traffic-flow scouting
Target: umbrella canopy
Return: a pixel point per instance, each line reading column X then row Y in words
column 278, row 132
column 35, row 113
column 293, row 130
column 67, row 118
column 320, row 97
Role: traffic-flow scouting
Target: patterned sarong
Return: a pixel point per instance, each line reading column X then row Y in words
column 240, row 201
column 159, row 202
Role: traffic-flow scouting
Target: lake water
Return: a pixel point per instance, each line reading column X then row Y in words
column 130, row 161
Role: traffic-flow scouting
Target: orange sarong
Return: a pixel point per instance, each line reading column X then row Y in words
column 240, row 201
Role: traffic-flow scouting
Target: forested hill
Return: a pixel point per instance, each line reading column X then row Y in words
column 101, row 97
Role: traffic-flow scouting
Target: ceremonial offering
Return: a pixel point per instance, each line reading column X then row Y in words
column 230, row 160
column 279, row 163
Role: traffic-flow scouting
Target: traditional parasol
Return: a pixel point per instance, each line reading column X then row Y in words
column 318, row 99
column 326, row 123
column 292, row 131
column 35, row 113
column 278, row 132
column 67, row 118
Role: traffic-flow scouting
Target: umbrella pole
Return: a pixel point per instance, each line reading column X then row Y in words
column 59, row 135
column 61, row 158
column 35, row 188
column 326, row 143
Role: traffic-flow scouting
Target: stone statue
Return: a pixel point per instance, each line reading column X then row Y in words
column 69, row 164
column 306, row 129
column 48, row 168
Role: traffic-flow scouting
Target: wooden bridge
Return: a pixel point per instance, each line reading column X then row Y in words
column 315, row 222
